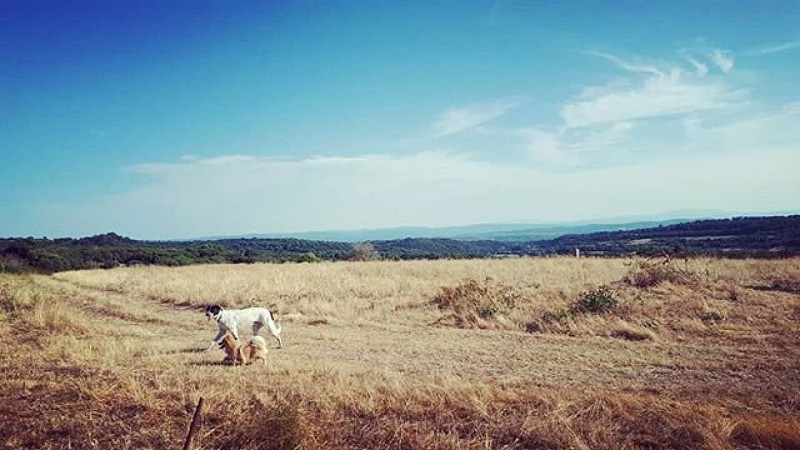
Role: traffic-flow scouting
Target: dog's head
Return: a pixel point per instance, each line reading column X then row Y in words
column 231, row 347
column 213, row 312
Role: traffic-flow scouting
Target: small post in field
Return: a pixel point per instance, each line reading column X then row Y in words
column 194, row 426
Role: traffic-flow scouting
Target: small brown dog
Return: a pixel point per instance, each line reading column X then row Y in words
column 237, row 353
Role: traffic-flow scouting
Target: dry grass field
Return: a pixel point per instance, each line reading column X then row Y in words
column 537, row 353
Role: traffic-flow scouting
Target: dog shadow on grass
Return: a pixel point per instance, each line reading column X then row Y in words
column 208, row 363
column 185, row 351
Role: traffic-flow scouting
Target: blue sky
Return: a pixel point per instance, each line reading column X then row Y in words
column 174, row 119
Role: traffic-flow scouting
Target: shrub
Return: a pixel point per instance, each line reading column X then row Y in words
column 472, row 300
column 645, row 274
column 597, row 301
column 10, row 263
column 309, row 257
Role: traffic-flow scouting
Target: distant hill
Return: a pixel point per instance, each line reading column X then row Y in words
column 505, row 232
column 740, row 236
column 497, row 232
column 777, row 236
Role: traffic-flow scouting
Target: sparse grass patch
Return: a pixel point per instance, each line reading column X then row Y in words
column 41, row 310
column 630, row 332
column 274, row 424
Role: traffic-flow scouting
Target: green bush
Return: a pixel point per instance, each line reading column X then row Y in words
column 596, row 301
column 309, row 257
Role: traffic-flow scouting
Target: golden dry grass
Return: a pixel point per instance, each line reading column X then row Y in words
column 110, row 359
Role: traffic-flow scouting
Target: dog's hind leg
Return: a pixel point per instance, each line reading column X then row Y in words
column 274, row 328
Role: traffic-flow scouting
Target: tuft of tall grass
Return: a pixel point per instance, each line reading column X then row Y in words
column 473, row 302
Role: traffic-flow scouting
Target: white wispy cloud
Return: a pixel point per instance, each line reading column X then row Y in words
column 777, row 48
column 701, row 69
column 723, row 59
column 652, row 97
column 627, row 65
column 455, row 120
column 653, row 91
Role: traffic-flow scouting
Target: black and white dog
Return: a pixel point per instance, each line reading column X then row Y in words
column 232, row 319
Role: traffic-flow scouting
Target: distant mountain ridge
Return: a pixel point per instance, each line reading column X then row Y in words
column 504, row 232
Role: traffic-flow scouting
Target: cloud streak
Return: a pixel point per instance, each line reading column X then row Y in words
column 630, row 67
column 456, row 120
column 778, row 48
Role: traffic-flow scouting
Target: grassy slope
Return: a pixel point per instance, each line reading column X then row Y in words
column 109, row 359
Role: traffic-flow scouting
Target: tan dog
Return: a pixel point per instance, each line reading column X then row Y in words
column 237, row 353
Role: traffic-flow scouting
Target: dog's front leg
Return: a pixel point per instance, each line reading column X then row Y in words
column 217, row 339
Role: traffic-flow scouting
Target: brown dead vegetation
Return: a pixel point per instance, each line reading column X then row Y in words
column 428, row 355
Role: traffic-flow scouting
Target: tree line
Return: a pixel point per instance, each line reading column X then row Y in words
column 738, row 237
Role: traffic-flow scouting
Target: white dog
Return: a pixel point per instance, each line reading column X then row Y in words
column 232, row 319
